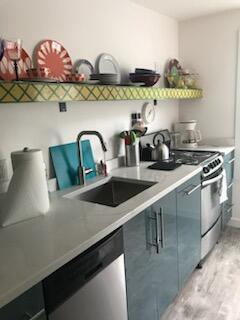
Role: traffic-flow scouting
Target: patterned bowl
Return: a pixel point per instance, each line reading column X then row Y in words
column 75, row 77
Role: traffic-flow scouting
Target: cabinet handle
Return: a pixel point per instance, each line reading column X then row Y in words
column 188, row 193
column 156, row 223
column 158, row 232
column 231, row 161
column 36, row 316
column 230, row 186
column 230, row 208
column 162, row 229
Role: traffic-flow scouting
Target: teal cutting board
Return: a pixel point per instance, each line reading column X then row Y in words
column 66, row 162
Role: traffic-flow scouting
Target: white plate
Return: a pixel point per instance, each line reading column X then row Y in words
column 108, row 64
column 85, row 67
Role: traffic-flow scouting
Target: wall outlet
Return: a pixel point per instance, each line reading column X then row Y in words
column 3, row 171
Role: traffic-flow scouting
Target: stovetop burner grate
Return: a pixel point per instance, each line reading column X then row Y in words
column 191, row 157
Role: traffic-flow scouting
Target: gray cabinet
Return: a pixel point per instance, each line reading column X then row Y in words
column 28, row 306
column 188, row 227
column 228, row 205
column 150, row 245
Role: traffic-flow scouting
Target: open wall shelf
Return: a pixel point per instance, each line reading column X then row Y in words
column 11, row 92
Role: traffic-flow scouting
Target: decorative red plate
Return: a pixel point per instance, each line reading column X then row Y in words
column 51, row 54
column 7, row 71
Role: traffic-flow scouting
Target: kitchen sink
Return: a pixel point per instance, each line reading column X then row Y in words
column 113, row 192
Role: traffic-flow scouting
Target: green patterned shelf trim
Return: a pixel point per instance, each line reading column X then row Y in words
column 42, row 92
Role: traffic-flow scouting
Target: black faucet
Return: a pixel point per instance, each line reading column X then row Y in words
column 81, row 169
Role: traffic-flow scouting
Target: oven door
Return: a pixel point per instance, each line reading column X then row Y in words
column 210, row 202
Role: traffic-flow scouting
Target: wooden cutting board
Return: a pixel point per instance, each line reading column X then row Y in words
column 66, row 162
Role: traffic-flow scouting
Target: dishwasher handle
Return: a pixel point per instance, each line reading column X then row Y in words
column 36, row 316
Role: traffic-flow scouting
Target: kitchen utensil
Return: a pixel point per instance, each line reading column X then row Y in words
column 27, row 195
column 140, row 130
column 165, row 165
column 108, row 64
column 148, row 79
column 132, row 154
column 51, row 54
column 7, row 71
column 66, row 163
column 123, row 134
column 85, row 67
column 164, row 136
column 161, row 151
column 133, row 137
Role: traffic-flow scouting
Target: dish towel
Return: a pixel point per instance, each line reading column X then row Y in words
column 223, row 188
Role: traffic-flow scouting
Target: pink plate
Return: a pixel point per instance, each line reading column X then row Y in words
column 51, row 54
column 7, row 68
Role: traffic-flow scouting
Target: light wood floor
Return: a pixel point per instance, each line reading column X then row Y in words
column 213, row 293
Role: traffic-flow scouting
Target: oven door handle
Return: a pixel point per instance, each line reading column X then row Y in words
column 211, row 181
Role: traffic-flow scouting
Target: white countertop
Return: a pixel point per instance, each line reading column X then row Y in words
column 33, row 249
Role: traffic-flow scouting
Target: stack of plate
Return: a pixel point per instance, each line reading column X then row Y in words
column 107, row 70
column 106, row 78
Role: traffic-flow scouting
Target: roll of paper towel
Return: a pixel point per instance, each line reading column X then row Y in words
column 27, row 195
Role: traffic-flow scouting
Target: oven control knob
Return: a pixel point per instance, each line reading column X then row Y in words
column 211, row 166
column 205, row 170
column 216, row 162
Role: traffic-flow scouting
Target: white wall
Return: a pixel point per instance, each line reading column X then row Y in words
column 209, row 46
column 135, row 36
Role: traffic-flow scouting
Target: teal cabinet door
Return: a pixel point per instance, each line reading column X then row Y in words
column 189, row 227
column 150, row 245
column 166, row 270
column 29, row 305
column 139, row 257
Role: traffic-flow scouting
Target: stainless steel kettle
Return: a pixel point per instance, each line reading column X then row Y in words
column 161, row 150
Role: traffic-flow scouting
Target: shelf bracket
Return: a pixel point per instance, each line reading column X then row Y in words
column 62, row 106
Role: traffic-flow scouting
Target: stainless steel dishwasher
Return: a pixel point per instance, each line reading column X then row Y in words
column 91, row 286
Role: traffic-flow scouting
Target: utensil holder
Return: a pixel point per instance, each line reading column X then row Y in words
column 132, row 154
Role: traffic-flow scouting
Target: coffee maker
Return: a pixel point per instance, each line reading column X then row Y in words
column 190, row 136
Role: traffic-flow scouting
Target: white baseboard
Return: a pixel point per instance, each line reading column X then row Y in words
column 234, row 222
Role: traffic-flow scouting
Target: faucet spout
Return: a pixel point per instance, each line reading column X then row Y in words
column 81, row 170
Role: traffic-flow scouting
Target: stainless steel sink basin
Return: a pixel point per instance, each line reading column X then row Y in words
column 113, row 192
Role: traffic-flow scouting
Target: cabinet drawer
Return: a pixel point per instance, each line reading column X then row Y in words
column 28, row 306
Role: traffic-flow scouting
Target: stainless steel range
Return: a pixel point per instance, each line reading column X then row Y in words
column 211, row 186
